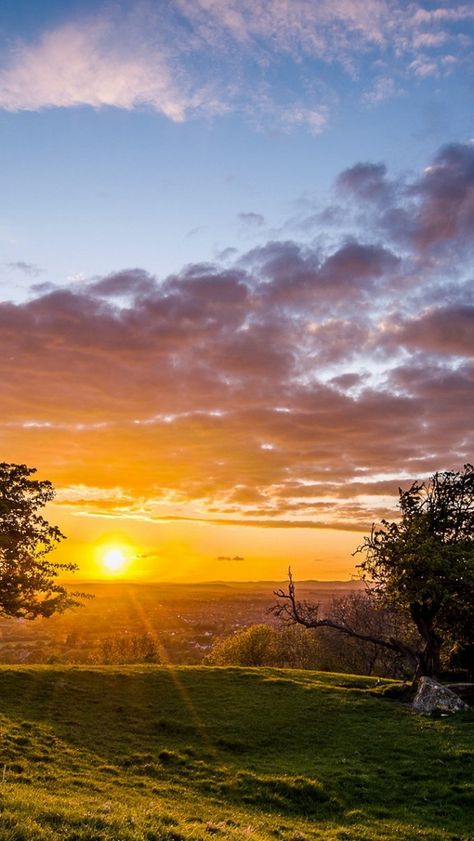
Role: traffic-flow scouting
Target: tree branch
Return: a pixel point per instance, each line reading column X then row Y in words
column 303, row 613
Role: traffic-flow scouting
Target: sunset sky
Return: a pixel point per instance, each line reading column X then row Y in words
column 237, row 302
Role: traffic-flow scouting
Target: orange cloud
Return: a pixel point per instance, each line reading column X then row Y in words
column 295, row 389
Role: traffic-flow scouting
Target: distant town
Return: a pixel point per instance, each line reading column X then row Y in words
column 184, row 620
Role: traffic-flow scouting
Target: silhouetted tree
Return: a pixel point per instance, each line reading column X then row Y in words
column 27, row 577
column 423, row 563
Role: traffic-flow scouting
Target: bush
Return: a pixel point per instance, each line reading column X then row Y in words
column 262, row 645
column 133, row 648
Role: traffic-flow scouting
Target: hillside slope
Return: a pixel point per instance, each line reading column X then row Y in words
column 122, row 754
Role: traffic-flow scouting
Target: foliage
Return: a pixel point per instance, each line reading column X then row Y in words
column 344, row 653
column 423, row 564
column 27, row 576
column 295, row 647
column 145, row 753
column 261, row 645
column 128, row 648
column 251, row 646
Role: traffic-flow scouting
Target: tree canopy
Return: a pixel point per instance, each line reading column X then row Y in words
column 28, row 586
column 262, row 645
column 423, row 564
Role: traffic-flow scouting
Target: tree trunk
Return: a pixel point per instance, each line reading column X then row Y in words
column 429, row 662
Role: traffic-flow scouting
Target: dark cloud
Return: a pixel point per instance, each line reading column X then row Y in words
column 289, row 388
column 445, row 195
column 366, row 181
column 347, row 381
column 131, row 282
column 297, row 276
column 357, row 263
column 445, row 330
column 432, row 213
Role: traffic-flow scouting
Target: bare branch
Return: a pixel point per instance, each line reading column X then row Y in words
column 292, row 611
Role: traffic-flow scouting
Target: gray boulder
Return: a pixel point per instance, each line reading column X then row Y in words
column 432, row 696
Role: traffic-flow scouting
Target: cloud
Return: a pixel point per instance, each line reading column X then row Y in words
column 30, row 269
column 382, row 89
column 315, row 119
column 197, row 57
column 432, row 214
column 445, row 330
column 131, row 282
column 366, row 181
column 334, row 31
column 423, row 67
column 251, row 219
column 301, row 277
column 305, row 28
column 295, row 385
column 445, row 198
column 103, row 61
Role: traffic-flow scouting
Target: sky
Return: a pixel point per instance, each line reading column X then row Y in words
column 236, row 292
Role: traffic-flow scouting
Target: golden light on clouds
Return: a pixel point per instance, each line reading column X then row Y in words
column 223, row 423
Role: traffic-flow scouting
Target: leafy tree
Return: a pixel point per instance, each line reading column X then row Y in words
column 296, row 648
column 262, row 645
column 423, row 563
column 363, row 611
column 251, row 646
column 134, row 648
column 27, row 577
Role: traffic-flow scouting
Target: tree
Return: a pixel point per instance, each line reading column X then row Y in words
column 27, row 577
column 363, row 611
column 423, row 563
column 250, row 646
column 122, row 649
column 262, row 645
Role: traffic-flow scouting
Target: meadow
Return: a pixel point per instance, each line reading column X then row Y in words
column 149, row 753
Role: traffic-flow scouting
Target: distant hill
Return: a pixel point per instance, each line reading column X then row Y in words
column 204, row 585
column 170, row 589
column 186, row 754
column 186, row 618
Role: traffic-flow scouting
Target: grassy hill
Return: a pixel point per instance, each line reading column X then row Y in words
column 154, row 754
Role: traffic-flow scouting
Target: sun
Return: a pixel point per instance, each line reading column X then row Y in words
column 113, row 560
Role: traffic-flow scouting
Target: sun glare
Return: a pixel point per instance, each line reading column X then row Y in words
column 113, row 560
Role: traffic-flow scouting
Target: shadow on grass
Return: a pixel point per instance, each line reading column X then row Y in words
column 300, row 744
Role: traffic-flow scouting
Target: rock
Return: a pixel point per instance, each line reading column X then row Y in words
column 432, row 696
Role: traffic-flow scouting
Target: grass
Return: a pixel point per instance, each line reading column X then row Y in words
column 154, row 754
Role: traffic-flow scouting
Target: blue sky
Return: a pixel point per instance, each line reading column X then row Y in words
column 99, row 179
column 236, row 267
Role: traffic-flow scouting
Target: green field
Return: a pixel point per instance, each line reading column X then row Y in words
column 157, row 754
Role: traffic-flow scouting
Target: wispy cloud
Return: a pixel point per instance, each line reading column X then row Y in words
column 382, row 89
column 205, row 57
column 30, row 269
column 251, row 219
column 314, row 119
column 117, row 60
